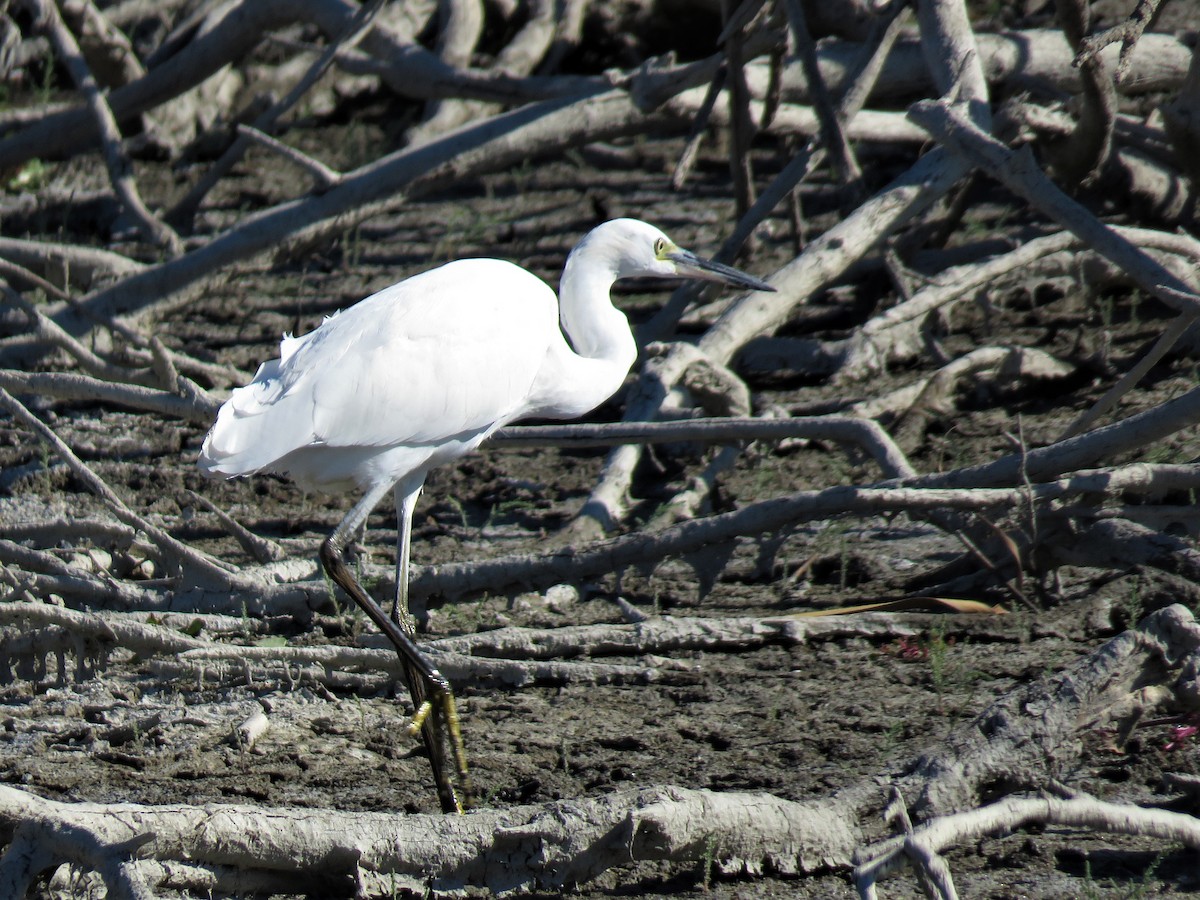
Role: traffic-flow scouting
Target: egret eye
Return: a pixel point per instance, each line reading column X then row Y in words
column 660, row 247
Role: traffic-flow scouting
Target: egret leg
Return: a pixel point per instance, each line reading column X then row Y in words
column 436, row 713
column 402, row 614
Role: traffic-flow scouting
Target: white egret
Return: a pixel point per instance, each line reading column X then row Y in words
column 421, row 373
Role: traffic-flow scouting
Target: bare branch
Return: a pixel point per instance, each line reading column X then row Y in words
column 1020, row 173
column 354, row 30
column 181, row 554
column 1127, row 32
column 120, row 170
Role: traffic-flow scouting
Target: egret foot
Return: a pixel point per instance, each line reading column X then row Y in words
column 418, row 720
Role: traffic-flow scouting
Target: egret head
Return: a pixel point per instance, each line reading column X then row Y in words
column 637, row 248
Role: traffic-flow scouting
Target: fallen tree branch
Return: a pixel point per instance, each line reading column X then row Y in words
column 533, row 571
column 545, row 848
column 1020, row 173
column 69, row 266
column 1015, row 813
column 864, row 433
column 509, row 656
column 1028, row 736
column 120, row 171
column 667, row 634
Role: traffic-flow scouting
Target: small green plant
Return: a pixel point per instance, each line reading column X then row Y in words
column 457, row 506
column 331, row 591
column 1107, row 307
column 1095, row 890
column 1135, row 308
column 522, row 175
column 1160, row 454
column 939, row 658
column 354, row 246
column 891, row 737
column 44, row 480
column 502, row 509
column 491, row 797
column 1091, row 891
column 936, row 652
column 708, row 862
column 835, row 538
column 1130, row 606
column 32, row 176
column 360, row 708
column 45, row 87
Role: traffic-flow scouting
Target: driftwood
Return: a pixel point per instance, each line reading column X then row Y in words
column 1027, row 737
column 96, row 321
column 231, row 848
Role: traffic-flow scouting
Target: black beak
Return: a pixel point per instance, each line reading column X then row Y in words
column 690, row 265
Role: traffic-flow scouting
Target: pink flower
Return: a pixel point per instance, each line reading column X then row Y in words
column 908, row 648
column 1180, row 735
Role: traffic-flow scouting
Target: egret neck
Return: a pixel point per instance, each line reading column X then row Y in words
column 604, row 346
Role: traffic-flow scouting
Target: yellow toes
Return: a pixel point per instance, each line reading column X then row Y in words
column 418, row 719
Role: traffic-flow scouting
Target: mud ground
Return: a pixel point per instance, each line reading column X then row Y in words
column 796, row 721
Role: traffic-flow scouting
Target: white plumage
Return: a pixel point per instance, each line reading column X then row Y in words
column 379, row 390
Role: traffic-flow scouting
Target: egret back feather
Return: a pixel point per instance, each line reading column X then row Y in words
column 442, row 358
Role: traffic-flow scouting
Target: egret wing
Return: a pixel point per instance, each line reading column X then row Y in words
column 449, row 352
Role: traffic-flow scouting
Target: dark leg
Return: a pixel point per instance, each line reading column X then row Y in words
column 432, row 697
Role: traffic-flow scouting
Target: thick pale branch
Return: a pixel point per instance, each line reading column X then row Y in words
column 69, row 266
column 867, row 434
column 1012, row 814
column 70, row 386
column 539, row 847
